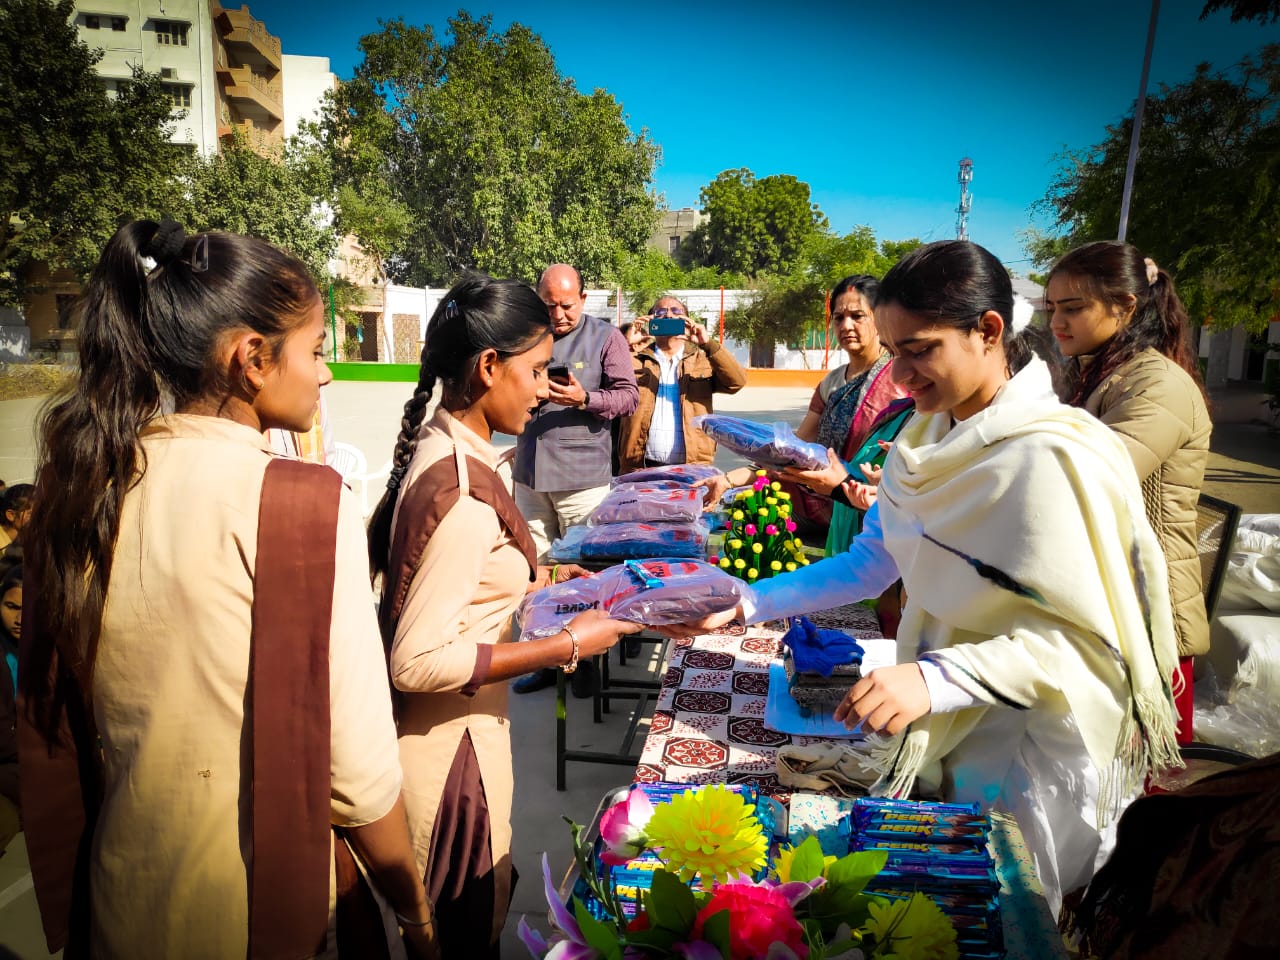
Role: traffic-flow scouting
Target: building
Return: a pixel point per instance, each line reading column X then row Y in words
column 674, row 226
column 173, row 38
column 306, row 80
column 250, row 89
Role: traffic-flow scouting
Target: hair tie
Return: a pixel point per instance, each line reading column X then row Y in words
column 166, row 243
column 1022, row 313
column 393, row 481
column 1153, row 272
column 451, row 310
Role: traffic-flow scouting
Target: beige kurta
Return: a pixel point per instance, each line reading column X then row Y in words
column 169, row 867
column 471, row 578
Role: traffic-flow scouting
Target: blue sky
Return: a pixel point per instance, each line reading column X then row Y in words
column 872, row 104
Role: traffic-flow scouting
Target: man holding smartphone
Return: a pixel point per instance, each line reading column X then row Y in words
column 563, row 459
column 676, row 376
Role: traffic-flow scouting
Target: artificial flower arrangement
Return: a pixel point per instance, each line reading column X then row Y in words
column 760, row 537
column 703, row 904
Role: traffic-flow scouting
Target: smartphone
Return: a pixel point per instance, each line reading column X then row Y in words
column 666, row 327
column 558, row 372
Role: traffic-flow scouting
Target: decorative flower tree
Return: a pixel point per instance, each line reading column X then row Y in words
column 760, row 537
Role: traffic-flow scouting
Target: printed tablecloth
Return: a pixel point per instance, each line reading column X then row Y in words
column 708, row 722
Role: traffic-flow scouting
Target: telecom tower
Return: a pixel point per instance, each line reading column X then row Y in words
column 964, row 178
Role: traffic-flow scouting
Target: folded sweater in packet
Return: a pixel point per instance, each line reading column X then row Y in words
column 638, row 541
column 685, row 473
column 645, row 503
column 768, row 444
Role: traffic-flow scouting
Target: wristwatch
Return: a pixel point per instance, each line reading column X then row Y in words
column 586, row 398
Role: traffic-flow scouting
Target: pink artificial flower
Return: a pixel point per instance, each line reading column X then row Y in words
column 791, row 526
column 713, row 559
column 749, row 529
column 622, row 828
column 568, row 943
column 771, row 530
column 760, row 484
column 759, row 917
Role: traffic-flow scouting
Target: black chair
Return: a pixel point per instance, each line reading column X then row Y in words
column 1216, row 522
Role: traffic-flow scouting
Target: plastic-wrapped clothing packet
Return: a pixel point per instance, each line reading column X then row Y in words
column 568, row 548
column 645, row 503
column 650, row 592
column 770, row 445
column 685, row 473
column 638, row 541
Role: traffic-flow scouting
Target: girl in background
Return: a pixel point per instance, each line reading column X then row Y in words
column 1118, row 321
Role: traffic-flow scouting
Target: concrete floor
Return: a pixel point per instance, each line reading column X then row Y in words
column 1244, row 468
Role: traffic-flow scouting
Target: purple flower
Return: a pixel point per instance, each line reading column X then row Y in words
column 622, row 828
column 569, row 944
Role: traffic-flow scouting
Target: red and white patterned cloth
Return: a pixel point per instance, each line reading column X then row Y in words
column 708, row 722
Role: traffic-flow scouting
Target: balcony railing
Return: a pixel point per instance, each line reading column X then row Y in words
column 254, row 96
column 250, row 38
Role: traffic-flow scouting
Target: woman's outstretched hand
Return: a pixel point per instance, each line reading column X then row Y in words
column 886, row 700
column 708, row 623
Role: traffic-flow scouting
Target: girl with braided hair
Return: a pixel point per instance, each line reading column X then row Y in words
column 1120, row 324
column 193, row 724
column 456, row 558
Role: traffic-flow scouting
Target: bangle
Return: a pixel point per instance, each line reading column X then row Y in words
column 406, row 922
column 572, row 665
column 554, row 570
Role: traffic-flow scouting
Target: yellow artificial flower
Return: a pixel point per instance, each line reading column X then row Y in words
column 735, row 544
column 771, row 501
column 738, row 515
column 742, row 495
column 763, row 511
column 725, row 563
column 762, row 473
column 752, row 573
column 791, row 567
column 709, row 832
column 775, row 485
column 912, row 929
column 739, row 564
column 757, row 547
column 775, row 566
column 783, row 495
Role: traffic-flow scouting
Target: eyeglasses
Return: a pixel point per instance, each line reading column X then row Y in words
column 667, row 312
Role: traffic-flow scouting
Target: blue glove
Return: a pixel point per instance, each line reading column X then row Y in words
column 820, row 651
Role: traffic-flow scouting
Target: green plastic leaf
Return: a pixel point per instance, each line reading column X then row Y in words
column 715, row 931
column 603, row 937
column 807, row 860
column 671, row 903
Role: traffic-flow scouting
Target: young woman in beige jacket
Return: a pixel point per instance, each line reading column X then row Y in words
column 1118, row 321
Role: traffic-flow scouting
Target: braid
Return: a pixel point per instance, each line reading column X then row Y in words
column 380, row 524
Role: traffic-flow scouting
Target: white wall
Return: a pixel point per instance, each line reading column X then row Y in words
column 305, row 81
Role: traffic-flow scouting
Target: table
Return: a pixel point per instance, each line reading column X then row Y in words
column 708, row 727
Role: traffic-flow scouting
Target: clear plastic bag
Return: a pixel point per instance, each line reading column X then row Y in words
column 569, row 547
column 1247, row 717
column 645, row 503
column 641, row 541
column 650, row 592
column 686, row 473
column 770, row 445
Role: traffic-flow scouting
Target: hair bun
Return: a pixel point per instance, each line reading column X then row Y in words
column 166, row 243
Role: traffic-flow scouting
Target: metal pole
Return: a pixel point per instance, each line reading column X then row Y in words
column 333, row 324
column 722, row 313
column 1137, row 124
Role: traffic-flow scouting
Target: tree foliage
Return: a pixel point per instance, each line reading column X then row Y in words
column 74, row 161
column 276, row 196
column 792, row 303
column 753, row 227
column 1264, row 11
column 495, row 159
column 1206, row 197
column 649, row 273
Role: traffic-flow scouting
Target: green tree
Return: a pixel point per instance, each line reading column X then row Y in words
column 279, row 196
column 754, row 227
column 498, row 161
column 648, row 273
column 73, row 160
column 1264, row 11
column 1206, row 201
column 791, row 304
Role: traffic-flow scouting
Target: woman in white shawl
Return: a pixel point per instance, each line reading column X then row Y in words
column 1037, row 646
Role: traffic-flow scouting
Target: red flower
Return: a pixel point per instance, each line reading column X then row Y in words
column 759, row 916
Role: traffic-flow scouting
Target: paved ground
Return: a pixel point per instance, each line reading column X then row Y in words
column 1244, row 468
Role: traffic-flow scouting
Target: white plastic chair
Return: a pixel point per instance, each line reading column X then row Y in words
column 352, row 466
